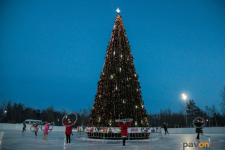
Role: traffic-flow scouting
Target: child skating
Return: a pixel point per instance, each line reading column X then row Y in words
column 46, row 130
column 35, row 126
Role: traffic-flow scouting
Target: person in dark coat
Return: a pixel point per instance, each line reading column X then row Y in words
column 68, row 131
column 165, row 128
column 198, row 130
column 24, row 126
column 124, row 131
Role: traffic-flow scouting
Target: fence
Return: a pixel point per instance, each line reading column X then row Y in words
column 115, row 132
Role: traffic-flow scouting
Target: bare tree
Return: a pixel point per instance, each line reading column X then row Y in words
column 222, row 104
column 2, row 110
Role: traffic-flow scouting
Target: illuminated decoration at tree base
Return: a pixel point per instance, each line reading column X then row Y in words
column 118, row 93
column 124, row 120
column 115, row 132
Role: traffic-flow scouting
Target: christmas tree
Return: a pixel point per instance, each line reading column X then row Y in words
column 119, row 92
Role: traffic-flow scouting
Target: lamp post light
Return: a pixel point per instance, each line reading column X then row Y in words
column 184, row 98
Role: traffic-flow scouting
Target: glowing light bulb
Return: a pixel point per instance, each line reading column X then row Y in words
column 118, row 10
column 184, row 96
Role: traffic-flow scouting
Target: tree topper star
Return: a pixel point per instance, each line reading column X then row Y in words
column 118, row 10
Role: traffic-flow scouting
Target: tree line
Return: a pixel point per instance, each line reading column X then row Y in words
column 212, row 116
column 16, row 113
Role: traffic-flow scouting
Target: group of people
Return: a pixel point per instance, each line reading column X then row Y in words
column 68, row 131
column 124, row 129
column 69, row 125
column 197, row 123
column 35, row 130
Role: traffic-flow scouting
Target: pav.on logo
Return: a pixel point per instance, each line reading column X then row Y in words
column 201, row 145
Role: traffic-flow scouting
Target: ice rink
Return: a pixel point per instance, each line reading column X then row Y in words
column 17, row 140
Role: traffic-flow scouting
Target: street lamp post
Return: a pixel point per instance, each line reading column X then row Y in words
column 184, row 98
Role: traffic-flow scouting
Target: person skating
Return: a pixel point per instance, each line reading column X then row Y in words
column 165, row 128
column 68, row 131
column 24, row 126
column 35, row 126
column 46, row 130
column 198, row 130
column 124, row 131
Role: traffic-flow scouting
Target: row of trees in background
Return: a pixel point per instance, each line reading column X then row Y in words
column 16, row 113
column 175, row 120
column 178, row 119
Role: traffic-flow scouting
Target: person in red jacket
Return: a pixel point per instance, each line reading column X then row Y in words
column 68, row 131
column 124, row 131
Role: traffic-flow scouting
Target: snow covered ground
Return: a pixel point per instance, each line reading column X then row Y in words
column 13, row 140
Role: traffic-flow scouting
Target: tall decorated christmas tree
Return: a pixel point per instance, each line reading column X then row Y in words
column 119, row 92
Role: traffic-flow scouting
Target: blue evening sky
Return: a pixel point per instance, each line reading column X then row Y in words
column 52, row 52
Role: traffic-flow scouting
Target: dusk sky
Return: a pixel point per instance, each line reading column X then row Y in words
column 52, row 52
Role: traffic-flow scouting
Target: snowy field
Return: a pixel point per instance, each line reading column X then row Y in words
column 13, row 140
